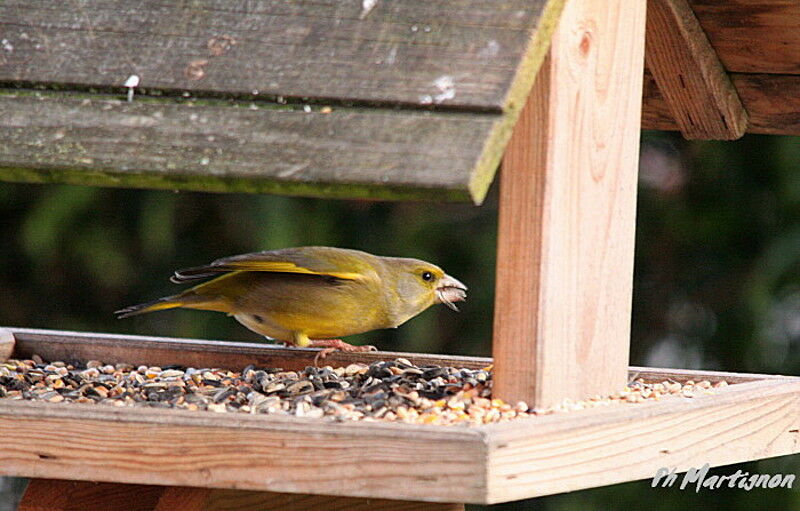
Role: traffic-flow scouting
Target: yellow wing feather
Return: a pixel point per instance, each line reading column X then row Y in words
column 326, row 261
column 286, row 267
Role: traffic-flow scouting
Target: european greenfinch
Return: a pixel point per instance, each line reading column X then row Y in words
column 310, row 296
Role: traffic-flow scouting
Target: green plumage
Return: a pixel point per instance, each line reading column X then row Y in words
column 298, row 294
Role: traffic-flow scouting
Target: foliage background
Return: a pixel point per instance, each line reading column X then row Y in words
column 716, row 279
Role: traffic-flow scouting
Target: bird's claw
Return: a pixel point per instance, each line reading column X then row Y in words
column 338, row 345
column 324, row 352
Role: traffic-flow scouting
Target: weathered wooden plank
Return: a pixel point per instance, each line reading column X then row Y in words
column 463, row 53
column 772, row 103
column 753, row 36
column 346, row 153
column 567, row 213
column 524, row 458
column 281, row 454
column 598, row 447
column 689, row 74
column 656, row 112
column 658, row 374
column 161, row 351
column 755, row 418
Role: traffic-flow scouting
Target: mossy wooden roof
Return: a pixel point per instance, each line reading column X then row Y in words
column 406, row 99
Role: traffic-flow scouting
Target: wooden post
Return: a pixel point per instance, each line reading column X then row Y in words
column 567, row 212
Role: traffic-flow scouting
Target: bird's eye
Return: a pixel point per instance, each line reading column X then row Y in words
column 427, row 276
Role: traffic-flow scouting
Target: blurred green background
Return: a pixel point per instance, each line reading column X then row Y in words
column 717, row 275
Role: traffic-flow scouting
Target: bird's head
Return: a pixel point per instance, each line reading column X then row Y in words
column 418, row 285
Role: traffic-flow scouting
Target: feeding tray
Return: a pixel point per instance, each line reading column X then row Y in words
column 755, row 416
column 401, row 100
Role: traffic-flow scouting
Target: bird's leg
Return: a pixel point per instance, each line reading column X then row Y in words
column 331, row 345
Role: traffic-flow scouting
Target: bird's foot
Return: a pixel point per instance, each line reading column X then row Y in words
column 331, row 345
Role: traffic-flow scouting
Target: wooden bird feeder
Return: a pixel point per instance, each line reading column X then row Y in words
column 425, row 99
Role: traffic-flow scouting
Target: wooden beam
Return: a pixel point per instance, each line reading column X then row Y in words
column 753, row 36
column 567, row 212
column 463, row 53
column 754, row 417
column 525, row 458
column 600, row 446
column 772, row 103
column 161, row 351
column 241, row 451
column 688, row 72
column 228, row 147
column 391, row 73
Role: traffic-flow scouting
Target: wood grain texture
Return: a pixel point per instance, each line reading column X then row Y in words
column 184, row 498
column 233, row 500
column 282, row 454
column 597, row 447
column 470, row 55
column 772, row 103
column 755, row 418
column 60, row 495
column 464, row 53
column 347, row 153
column 753, row 36
column 162, row 351
column 486, row 464
column 689, row 75
column 567, row 213
column 7, row 342
column 658, row 374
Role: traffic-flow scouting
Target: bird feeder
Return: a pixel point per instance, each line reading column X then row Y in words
column 396, row 100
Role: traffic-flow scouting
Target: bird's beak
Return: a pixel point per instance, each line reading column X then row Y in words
column 450, row 290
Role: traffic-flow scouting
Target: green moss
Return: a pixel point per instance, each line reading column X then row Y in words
column 156, row 97
column 495, row 145
column 96, row 177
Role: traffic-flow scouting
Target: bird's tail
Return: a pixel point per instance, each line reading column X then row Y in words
column 202, row 297
column 168, row 302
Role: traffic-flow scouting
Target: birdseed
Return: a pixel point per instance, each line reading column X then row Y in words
column 393, row 391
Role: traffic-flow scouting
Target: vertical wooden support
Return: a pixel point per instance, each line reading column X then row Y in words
column 567, row 212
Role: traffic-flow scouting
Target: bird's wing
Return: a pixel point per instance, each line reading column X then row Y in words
column 325, row 261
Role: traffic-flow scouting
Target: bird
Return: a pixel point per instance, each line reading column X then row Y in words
column 312, row 296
